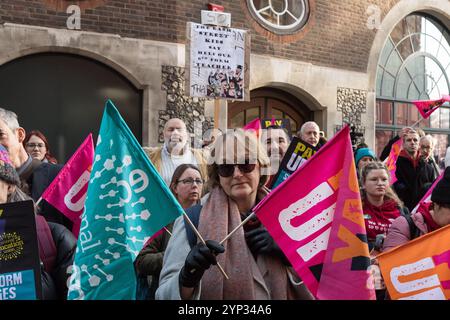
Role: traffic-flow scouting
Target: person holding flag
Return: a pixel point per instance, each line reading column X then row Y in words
column 187, row 186
column 256, row 266
column 429, row 216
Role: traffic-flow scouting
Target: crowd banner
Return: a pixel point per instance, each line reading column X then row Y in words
column 217, row 62
column 282, row 123
column 316, row 218
column 20, row 275
column 68, row 190
column 127, row 202
column 419, row 269
column 427, row 107
column 391, row 160
column 296, row 155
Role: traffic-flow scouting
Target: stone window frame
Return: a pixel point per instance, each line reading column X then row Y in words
column 280, row 29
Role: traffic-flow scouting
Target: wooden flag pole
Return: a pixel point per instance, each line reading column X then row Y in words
column 167, row 230
column 240, row 225
column 203, row 241
column 415, row 123
column 216, row 113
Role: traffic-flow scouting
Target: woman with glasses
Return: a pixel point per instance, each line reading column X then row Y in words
column 255, row 265
column 187, row 186
column 36, row 145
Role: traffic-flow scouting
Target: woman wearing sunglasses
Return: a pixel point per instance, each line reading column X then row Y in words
column 186, row 185
column 256, row 266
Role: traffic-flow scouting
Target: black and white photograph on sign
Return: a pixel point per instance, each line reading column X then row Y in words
column 217, row 60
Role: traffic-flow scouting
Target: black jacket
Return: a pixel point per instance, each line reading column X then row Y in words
column 54, row 284
column 412, row 183
column 43, row 174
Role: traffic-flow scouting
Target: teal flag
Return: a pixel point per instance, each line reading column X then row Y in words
column 127, row 202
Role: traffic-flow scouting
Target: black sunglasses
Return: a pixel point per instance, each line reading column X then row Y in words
column 227, row 170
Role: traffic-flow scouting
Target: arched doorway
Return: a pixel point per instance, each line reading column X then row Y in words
column 63, row 95
column 267, row 103
column 414, row 65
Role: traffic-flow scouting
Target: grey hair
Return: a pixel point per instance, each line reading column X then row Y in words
column 429, row 138
column 307, row 124
column 10, row 119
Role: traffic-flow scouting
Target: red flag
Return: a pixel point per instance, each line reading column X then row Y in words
column 316, row 218
column 427, row 107
column 68, row 190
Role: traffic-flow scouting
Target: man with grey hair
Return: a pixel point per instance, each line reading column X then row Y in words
column 175, row 151
column 35, row 175
column 426, row 148
column 309, row 132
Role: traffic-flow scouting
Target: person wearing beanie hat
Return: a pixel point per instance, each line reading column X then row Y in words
column 55, row 258
column 363, row 156
column 429, row 216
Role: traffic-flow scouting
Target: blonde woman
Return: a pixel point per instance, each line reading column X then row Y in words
column 256, row 266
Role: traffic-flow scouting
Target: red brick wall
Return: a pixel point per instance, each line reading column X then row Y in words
column 336, row 35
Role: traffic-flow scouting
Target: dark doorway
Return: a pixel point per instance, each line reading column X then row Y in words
column 63, row 95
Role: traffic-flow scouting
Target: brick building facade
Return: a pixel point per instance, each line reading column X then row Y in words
column 328, row 68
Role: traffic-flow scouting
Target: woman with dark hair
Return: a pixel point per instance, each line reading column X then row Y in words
column 186, row 185
column 36, row 145
column 256, row 266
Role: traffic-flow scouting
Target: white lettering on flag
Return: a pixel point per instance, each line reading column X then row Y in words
column 320, row 193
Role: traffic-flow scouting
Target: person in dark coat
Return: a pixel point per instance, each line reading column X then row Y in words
column 35, row 176
column 54, row 268
column 187, row 186
column 414, row 175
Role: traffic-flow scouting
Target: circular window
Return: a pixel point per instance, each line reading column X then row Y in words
column 280, row 16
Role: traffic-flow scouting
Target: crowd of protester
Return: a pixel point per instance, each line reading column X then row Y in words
column 175, row 264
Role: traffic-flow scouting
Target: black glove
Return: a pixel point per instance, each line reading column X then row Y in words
column 259, row 241
column 198, row 260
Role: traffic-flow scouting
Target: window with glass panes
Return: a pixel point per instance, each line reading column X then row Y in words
column 414, row 65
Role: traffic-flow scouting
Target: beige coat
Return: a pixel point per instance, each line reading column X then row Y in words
column 154, row 154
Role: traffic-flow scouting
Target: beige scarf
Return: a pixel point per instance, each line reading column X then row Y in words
column 219, row 216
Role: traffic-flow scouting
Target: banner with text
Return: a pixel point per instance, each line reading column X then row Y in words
column 217, row 62
column 20, row 277
column 296, row 155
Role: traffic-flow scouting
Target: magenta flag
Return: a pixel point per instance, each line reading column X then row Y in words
column 316, row 218
column 68, row 190
column 254, row 125
column 427, row 107
column 391, row 161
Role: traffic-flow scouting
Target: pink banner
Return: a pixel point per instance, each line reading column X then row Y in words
column 254, row 125
column 427, row 107
column 318, row 203
column 67, row 192
column 391, row 161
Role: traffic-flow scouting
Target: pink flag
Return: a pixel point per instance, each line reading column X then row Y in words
column 427, row 107
column 427, row 197
column 391, row 161
column 316, row 218
column 68, row 190
column 254, row 125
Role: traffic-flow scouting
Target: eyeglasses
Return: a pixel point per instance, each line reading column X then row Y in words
column 227, row 170
column 34, row 145
column 191, row 181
